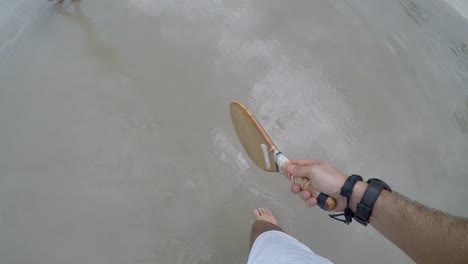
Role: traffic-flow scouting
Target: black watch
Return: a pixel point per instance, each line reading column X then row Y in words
column 364, row 207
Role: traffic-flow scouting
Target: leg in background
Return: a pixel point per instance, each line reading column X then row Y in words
column 264, row 221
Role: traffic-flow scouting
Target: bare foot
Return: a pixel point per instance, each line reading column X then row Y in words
column 265, row 215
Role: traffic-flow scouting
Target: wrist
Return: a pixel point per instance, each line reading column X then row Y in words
column 357, row 194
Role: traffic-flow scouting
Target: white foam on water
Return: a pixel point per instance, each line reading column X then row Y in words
column 460, row 6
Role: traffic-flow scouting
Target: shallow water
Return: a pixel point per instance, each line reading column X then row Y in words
column 116, row 144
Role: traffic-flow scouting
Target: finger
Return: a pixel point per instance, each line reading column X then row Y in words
column 295, row 188
column 305, row 162
column 311, row 202
column 305, row 195
column 301, row 194
column 298, row 170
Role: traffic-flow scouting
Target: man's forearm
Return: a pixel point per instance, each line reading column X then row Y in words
column 424, row 234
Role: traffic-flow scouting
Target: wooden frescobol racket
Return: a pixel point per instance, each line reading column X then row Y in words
column 265, row 154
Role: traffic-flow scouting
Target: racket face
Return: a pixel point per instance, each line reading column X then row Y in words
column 256, row 142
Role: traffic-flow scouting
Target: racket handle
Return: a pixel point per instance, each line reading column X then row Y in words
column 324, row 201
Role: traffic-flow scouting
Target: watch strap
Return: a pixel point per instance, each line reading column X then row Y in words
column 365, row 206
column 348, row 186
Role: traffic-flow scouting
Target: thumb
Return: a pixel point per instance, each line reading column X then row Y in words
column 299, row 171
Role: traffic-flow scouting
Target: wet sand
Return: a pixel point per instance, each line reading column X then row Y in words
column 116, row 144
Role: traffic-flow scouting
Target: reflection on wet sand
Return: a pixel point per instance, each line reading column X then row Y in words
column 419, row 14
column 462, row 118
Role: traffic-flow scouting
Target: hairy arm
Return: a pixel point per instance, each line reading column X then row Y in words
column 424, row 234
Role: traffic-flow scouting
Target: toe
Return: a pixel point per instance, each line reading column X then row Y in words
column 256, row 213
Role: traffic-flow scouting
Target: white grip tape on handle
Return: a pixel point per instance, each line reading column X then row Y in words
column 282, row 163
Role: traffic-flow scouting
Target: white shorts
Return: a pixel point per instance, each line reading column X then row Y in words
column 278, row 247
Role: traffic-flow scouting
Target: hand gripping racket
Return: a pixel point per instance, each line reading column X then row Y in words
column 265, row 154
